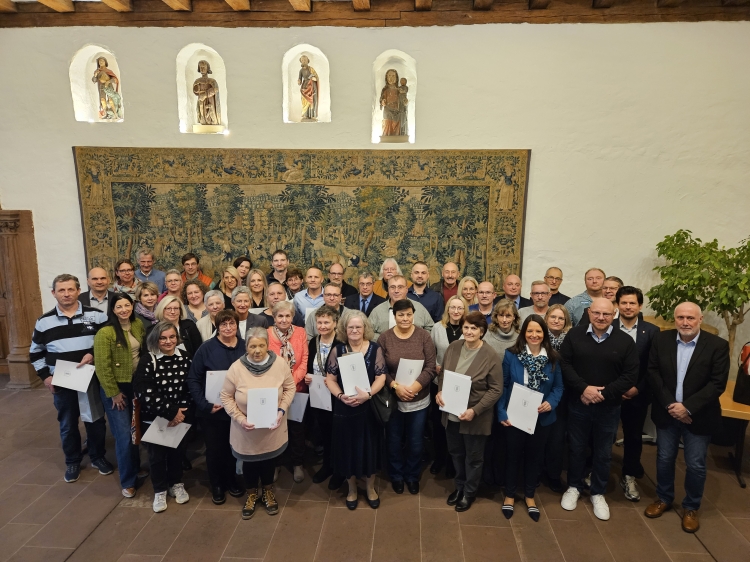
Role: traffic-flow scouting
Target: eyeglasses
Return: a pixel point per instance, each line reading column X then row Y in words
column 399, row 287
column 171, row 309
column 602, row 314
column 125, row 270
column 167, row 338
column 553, row 278
column 354, row 328
column 456, row 308
column 540, row 294
column 365, row 283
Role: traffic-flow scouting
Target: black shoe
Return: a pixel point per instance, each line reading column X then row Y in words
column 218, row 496
column 322, row 475
column 335, row 482
column 413, row 487
column 105, row 467
column 269, row 500
column 374, row 503
column 557, row 486
column 186, row 465
column 464, row 503
column 398, row 486
column 507, row 511
column 252, row 499
column 72, row 472
column 450, row 470
column 437, row 467
column 352, row 504
column 455, row 497
column 533, row 512
column 236, row 491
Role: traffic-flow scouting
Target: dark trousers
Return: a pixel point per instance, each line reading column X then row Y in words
column 467, row 452
column 633, row 415
column 495, row 448
column 324, row 421
column 220, row 461
column 165, row 463
column 526, row 449
column 68, row 414
column 439, row 444
column 554, row 450
column 405, row 462
column 296, row 448
column 597, row 421
column 259, row 470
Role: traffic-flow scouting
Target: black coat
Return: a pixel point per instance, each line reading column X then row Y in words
column 353, row 301
column 643, row 339
column 705, row 380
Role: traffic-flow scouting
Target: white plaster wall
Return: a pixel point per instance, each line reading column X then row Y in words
column 635, row 130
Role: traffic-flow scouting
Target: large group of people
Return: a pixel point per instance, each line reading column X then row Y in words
column 156, row 337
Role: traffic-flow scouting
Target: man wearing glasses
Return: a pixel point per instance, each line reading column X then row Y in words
column 540, row 295
column 336, row 276
column 599, row 365
column 485, row 299
column 554, row 278
column 365, row 300
column 382, row 318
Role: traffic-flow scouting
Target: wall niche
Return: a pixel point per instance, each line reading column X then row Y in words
column 306, row 85
column 202, row 97
column 394, row 99
column 96, row 86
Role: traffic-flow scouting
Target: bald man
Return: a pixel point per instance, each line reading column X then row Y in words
column 687, row 370
column 98, row 294
column 512, row 290
column 448, row 284
column 311, row 297
column 599, row 365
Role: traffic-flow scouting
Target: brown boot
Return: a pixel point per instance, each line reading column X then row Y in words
column 690, row 522
column 656, row 509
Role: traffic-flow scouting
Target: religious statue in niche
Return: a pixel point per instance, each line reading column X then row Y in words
column 308, row 86
column 208, row 108
column 394, row 103
column 108, row 85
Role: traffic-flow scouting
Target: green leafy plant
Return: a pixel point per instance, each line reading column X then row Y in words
column 712, row 276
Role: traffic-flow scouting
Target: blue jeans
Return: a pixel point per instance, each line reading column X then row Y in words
column 598, row 422
column 406, row 464
column 68, row 414
column 696, row 449
column 128, row 457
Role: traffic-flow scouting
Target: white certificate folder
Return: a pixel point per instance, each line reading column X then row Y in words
column 69, row 375
column 408, row 371
column 320, row 396
column 523, row 407
column 456, row 390
column 262, row 406
column 159, row 433
column 354, row 373
column 214, row 384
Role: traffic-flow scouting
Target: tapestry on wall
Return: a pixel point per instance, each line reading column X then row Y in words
column 355, row 207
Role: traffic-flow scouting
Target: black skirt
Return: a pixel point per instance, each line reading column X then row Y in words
column 357, row 441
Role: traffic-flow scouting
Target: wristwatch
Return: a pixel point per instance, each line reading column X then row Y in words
column 394, row 386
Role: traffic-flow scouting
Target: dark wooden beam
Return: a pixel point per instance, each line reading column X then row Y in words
column 301, row 5
column 59, row 5
column 422, row 5
column 8, row 6
column 120, row 5
column 180, row 5
column 669, row 3
column 239, row 5
column 596, row 4
column 482, row 4
column 361, row 5
column 538, row 4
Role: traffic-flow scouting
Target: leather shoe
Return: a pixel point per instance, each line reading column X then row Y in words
column 557, row 486
column 690, row 522
column 413, row 487
column 657, row 509
column 322, row 475
column 217, row 496
column 464, row 503
column 374, row 503
column 437, row 467
column 455, row 497
column 352, row 504
column 398, row 486
column 450, row 470
column 236, row 491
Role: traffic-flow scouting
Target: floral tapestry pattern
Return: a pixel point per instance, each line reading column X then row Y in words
column 356, row 207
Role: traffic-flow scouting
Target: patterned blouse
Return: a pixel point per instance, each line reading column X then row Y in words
column 160, row 384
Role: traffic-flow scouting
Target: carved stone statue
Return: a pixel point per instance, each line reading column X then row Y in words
column 309, row 85
column 394, row 102
column 208, row 109
column 110, row 101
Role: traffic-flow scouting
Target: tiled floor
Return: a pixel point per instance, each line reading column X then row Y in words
column 43, row 518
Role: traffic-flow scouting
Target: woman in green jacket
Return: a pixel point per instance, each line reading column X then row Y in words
column 117, row 348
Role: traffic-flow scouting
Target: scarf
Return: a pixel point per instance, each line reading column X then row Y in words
column 534, row 366
column 286, row 351
column 556, row 341
column 146, row 313
column 255, row 368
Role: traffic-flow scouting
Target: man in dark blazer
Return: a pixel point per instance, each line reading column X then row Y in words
column 635, row 401
column 687, row 370
column 371, row 300
column 98, row 295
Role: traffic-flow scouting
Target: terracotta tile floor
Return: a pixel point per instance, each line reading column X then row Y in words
column 43, row 518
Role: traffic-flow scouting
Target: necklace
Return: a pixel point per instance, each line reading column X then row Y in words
column 454, row 331
column 358, row 349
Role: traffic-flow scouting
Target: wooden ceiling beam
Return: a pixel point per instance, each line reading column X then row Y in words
column 602, row 4
column 482, row 4
column 669, row 3
column 239, row 5
column 538, row 4
column 8, row 6
column 361, row 5
column 59, row 5
column 301, row 5
column 180, row 5
column 423, row 5
column 120, row 5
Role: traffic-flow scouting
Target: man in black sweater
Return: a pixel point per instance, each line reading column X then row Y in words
column 599, row 365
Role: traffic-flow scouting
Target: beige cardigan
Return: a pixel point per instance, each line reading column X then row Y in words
column 234, row 398
column 205, row 327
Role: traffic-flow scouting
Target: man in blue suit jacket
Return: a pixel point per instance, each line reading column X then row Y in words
column 635, row 401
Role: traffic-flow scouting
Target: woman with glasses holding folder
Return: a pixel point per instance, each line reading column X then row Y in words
column 533, row 363
column 467, row 434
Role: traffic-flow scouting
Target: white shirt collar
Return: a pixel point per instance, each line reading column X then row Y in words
column 542, row 351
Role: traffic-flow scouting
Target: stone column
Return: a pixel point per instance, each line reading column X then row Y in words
column 22, row 297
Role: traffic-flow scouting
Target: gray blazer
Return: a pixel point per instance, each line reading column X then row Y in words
column 379, row 318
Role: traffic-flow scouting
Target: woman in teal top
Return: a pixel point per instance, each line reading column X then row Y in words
column 117, row 348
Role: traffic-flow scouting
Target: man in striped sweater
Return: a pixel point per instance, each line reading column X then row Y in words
column 67, row 333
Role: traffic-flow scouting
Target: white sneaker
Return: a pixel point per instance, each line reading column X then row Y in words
column 160, row 502
column 601, row 509
column 178, row 493
column 570, row 499
column 299, row 474
column 630, row 488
